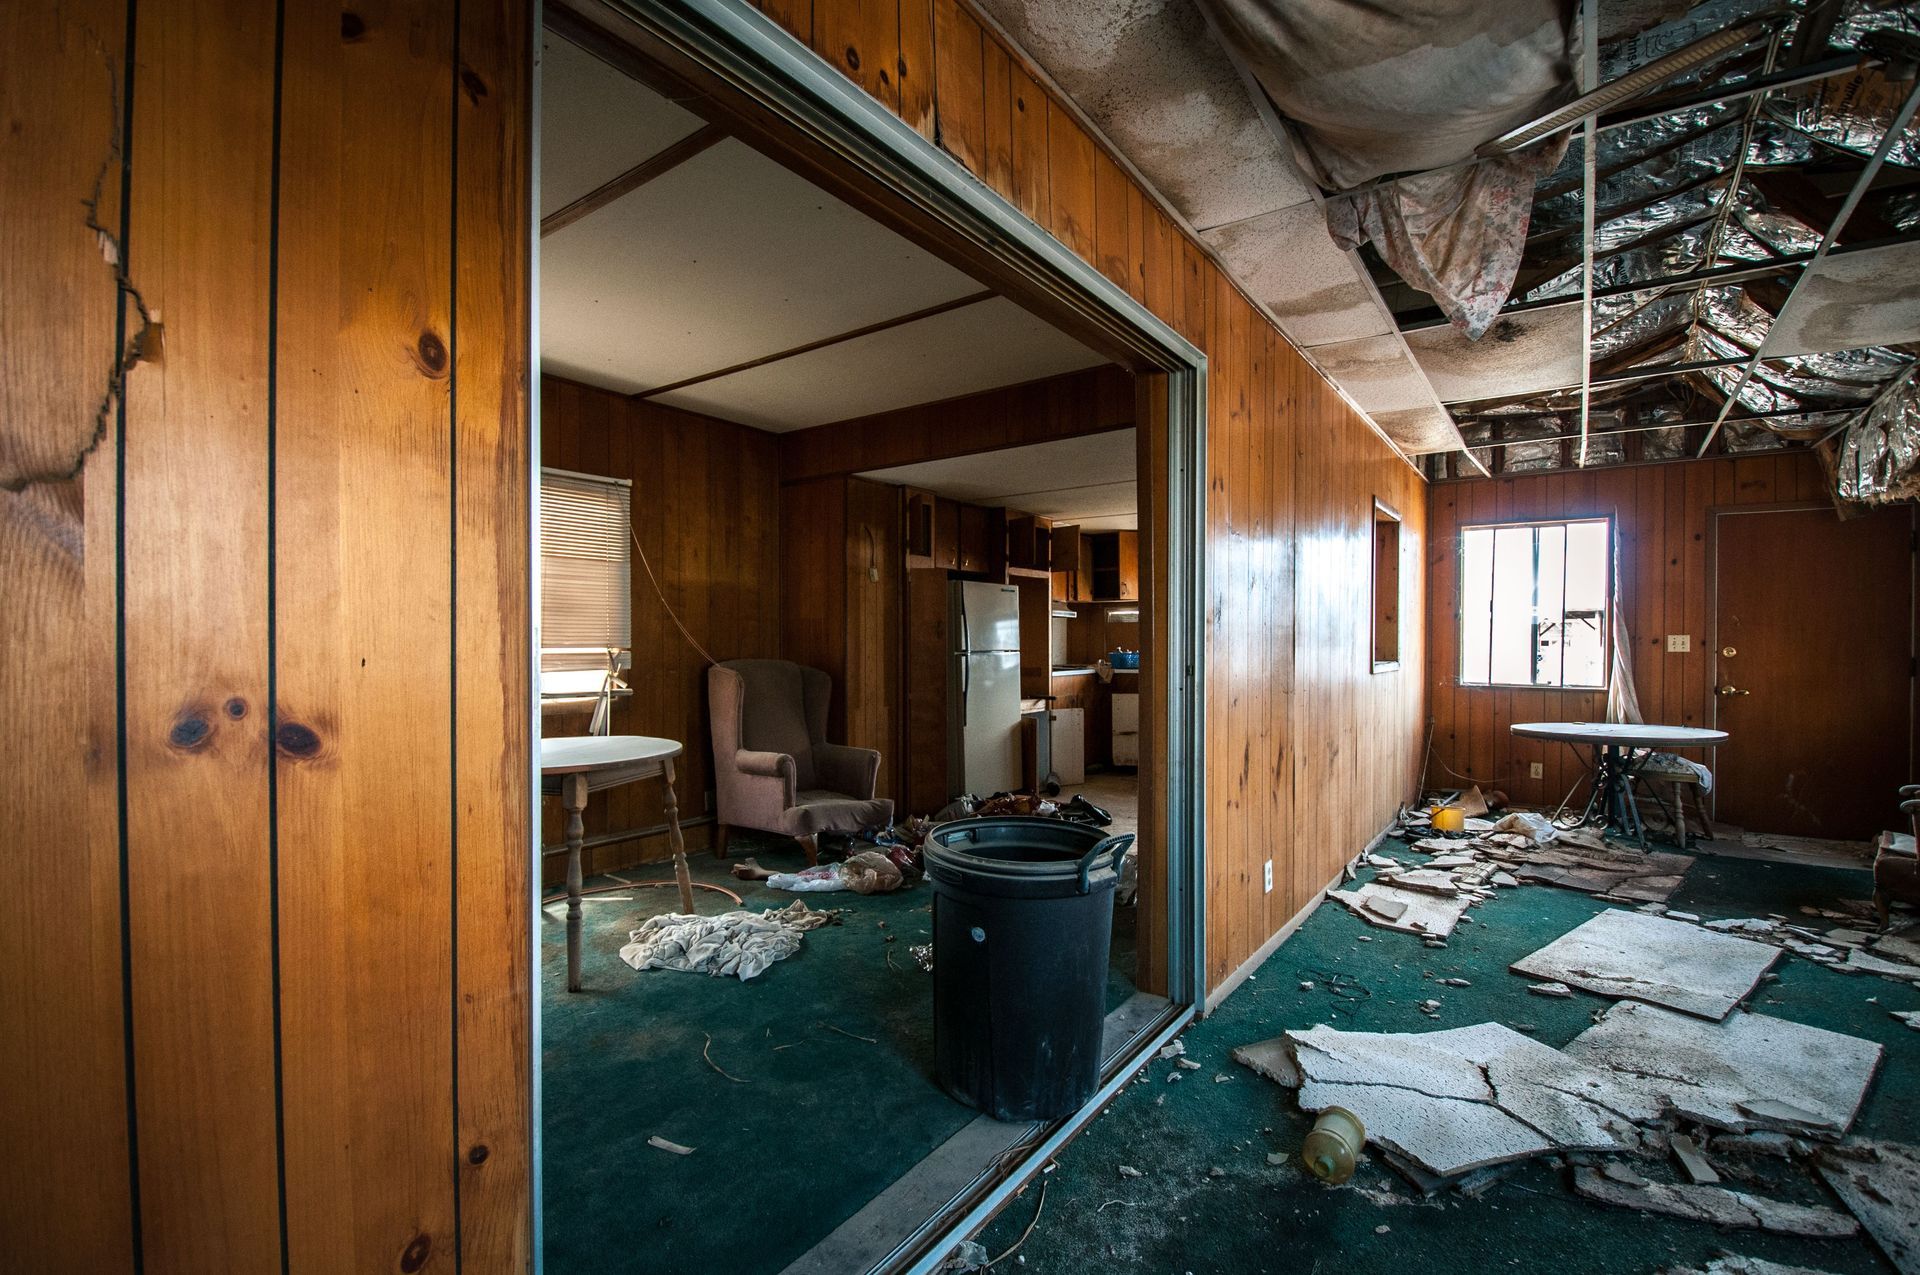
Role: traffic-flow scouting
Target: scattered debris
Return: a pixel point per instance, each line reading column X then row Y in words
column 922, row 953
column 1688, row 1153
column 849, row 1035
column 1221, row 1078
column 1455, row 982
column 1649, row 958
column 1128, row 1171
column 1186, row 1064
column 1748, row 1071
column 1911, row 1017
column 1559, row 990
column 707, row 1054
column 1880, row 1183
column 1270, row 1058
column 663, row 1144
column 1717, row 1205
column 1735, row 1265
column 1408, row 911
column 1172, row 1049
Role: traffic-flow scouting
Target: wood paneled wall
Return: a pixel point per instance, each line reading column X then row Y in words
column 263, row 522
column 1661, row 512
column 707, row 514
column 841, row 603
column 1308, row 750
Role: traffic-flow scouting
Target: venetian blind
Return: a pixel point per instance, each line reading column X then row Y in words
column 586, row 596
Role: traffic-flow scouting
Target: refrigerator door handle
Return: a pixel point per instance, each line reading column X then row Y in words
column 966, row 631
column 966, row 685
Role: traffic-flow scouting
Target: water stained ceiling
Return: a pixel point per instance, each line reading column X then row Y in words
column 1751, row 279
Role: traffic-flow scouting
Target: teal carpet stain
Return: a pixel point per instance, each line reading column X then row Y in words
column 1275, row 1218
column 820, row 1123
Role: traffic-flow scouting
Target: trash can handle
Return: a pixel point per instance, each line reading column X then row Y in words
column 1118, row 845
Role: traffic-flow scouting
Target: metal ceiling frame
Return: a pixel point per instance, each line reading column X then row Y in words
column 1861, row 184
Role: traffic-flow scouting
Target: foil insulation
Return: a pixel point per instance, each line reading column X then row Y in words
column 1879, row 460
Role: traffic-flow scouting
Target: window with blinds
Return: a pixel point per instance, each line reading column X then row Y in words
column 586, row 595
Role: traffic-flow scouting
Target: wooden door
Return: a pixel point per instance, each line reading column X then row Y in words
column 1813, row 674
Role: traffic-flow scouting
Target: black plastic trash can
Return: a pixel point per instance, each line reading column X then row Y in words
column 1022, row 922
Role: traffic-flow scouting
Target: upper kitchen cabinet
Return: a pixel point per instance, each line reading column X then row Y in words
column 982, row 541
column 917, row 541
column 1029, row 544
column 1111, row 566
column 946, row 535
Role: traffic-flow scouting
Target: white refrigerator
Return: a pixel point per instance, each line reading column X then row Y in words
column 983, row 689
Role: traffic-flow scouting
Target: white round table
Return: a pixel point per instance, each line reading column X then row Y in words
column 1614, row 762
column 574, row 766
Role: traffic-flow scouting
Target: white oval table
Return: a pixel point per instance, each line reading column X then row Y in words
column 1614, row 764
column 573, row 767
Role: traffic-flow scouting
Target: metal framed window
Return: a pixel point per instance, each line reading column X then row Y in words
column 586, row 581
column 1533, row 604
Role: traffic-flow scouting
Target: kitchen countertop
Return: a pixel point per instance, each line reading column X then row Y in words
column 1073, row 670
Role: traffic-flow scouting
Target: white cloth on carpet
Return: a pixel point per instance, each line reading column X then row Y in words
column 741, row 944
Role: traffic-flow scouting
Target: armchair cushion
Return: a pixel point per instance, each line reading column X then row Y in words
column 846, row 769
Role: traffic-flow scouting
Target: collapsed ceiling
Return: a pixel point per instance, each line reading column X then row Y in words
column 1745, row 275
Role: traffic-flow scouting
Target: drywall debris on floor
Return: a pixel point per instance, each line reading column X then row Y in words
column 1649, row 958
column 1880, row 1183
column 1734, row 1265
column 1716, row 1205
column 1767, row 847
column 1892, row 953
column 1409, row 911
column 1749, row 1071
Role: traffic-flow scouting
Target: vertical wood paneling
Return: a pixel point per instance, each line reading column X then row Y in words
column 1027, row 111
column 492, row 632
column 1661, row 513
column 960, row 81
column 198, row 835
column 364, row 624
column 65, row 1202
column 861, row 38
column 915, row 67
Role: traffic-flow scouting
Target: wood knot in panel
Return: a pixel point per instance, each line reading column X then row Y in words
column 190, row 730
column 431, row 354
column 414, row 1255
column 296, row 740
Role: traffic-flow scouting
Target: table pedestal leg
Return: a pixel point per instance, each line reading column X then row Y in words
column 573, row 798
column 680, row 872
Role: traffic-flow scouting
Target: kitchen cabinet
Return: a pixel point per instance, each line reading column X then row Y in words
column 982, row 540
column 1126, row 728
column 1114, row 566
column 1029, row 543
column 918, row 540
column 946, row 535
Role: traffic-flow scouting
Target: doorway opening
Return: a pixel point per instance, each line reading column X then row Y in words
column 818, row 409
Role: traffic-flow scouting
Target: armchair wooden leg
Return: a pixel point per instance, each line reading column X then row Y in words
column 812, row 847
column 720, row 834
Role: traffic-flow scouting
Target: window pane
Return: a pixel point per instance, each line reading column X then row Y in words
column 1513, row 635
column 1587, row 588
column 1551, row 644
column 1476, row 601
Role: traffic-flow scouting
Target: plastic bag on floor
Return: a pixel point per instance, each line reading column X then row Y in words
column 1529, row 824
column 872, row 872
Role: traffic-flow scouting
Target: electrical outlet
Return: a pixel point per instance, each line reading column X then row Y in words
column 1536, row 771
column 1679, row 643
column 1269, row 876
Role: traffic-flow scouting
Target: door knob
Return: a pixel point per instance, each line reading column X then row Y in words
column 1730, row 690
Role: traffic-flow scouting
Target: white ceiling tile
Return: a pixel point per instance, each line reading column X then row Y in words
column 1862, row 298
column 724, row 259
column 1376, row 371
column 1526, row 353
column 1091, row 460
column 1288, row 263
column 596, row 122
column 962, row 351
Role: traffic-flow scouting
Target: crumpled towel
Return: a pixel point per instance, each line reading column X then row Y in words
column 741, row 944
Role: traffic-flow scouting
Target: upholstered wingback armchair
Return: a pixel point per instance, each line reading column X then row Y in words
column 773, row 767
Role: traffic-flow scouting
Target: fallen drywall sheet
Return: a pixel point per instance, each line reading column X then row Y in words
column 1808, row 851
column 1423, row 1102
column 1748, row 1072
column 1577, row 1107
column 1880, row 1183
column 1649, row 958
column 1410, row 911
column 1715, row 1204
column 1735, row 1265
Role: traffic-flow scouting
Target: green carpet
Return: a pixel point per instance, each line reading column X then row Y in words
column 820, row 1122
column 1261, row 1217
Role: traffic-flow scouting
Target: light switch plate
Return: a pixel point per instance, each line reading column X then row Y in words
column 1269, row 876
column 1679, row 643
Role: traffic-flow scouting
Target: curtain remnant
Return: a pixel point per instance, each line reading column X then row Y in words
column 1456, row 233
column 1623, row 701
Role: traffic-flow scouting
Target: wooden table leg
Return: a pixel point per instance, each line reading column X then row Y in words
column 573, row 798
column 680, row 872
